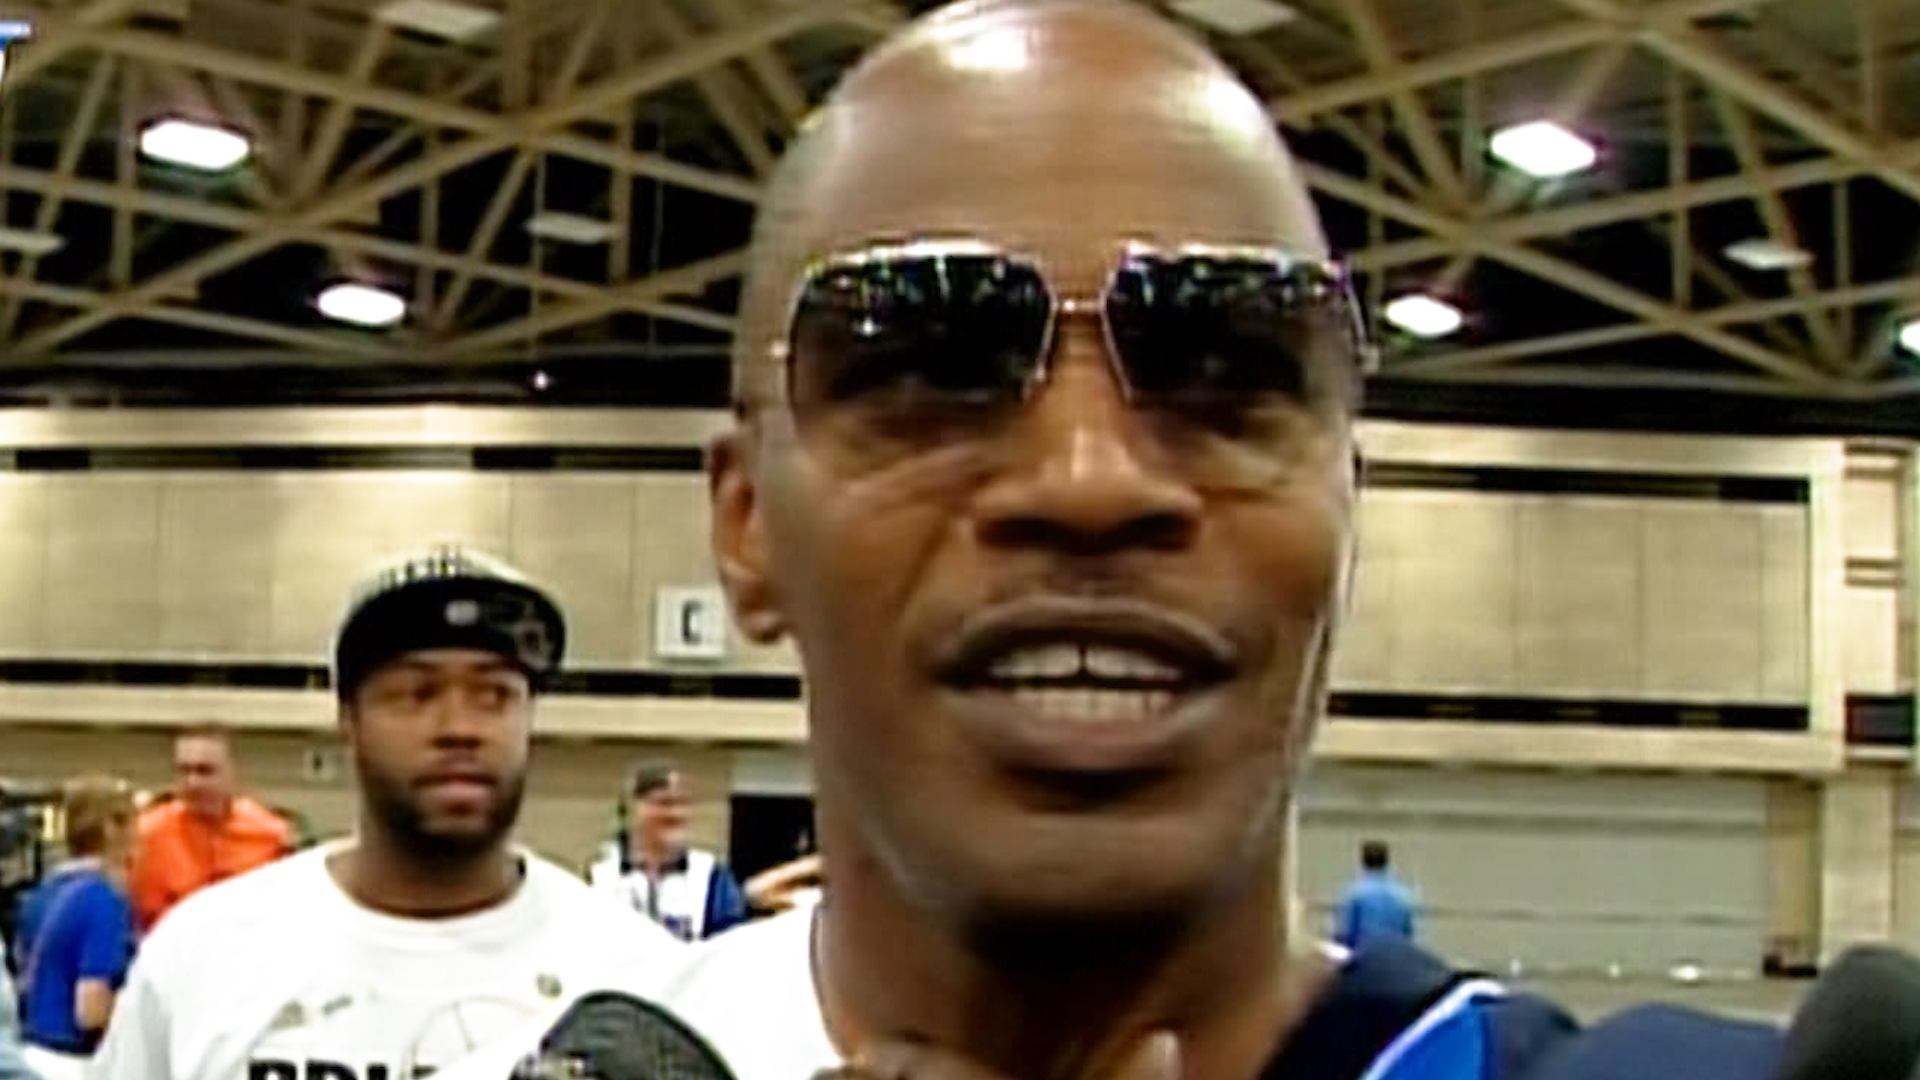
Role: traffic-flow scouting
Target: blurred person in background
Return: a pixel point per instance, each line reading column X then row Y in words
column 12, row 1065
column 77, row 932
column 206, row 832
column 389, row 953
column 1377, row 904
column 654, row 869
column 800, row 882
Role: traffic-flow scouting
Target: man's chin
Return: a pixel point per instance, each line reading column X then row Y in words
column 454, row 840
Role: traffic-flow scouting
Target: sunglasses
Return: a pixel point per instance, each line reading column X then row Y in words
column 942, row 323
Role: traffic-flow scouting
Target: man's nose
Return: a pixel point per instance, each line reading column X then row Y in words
column 455, row 723
column 1086, row 476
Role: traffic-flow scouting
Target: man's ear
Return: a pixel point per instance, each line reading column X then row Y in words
column 344, row 725
column 739, row 541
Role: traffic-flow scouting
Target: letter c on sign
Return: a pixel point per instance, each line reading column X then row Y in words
column 693, row 623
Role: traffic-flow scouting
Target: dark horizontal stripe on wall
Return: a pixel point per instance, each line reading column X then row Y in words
column 1533, row 710
column 1880, row 719
column 298, row 458
column 1523, row 481
column 636, row 684
column 692, row 459
column 775, row 687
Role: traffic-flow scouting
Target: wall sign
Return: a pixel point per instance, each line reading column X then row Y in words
column 690, row 623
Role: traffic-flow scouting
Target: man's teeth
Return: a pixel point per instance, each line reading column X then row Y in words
column 1089, row 705
column 1067, row 661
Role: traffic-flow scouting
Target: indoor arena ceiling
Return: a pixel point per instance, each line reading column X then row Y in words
column 540, row 180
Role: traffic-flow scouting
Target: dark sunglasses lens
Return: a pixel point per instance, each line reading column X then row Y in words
column 940, row 328
column 1224, row 330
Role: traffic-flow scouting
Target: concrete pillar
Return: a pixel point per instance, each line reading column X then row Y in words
column 1793, row 884
column 1859, row 813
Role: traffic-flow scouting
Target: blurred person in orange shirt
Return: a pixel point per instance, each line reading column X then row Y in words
column 207, row 832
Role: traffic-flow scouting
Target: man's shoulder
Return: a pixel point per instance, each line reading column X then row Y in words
column 1413, row 1015
column 758, row 966
column 159, row 817
column 753, row 957
column 280, row 893
column 1661, row 1042
column 256, row 820
column 589, row 915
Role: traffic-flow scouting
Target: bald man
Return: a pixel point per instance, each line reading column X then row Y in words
column 1045, row 458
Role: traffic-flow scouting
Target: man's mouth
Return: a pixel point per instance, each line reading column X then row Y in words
column 1088, row 663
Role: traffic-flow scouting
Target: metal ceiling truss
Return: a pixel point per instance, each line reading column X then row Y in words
column 574, row 78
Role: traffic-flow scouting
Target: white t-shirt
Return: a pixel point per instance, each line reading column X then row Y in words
column 280, row 975
column 748, row 992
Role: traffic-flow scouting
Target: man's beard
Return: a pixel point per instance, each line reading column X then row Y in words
column 397, row 810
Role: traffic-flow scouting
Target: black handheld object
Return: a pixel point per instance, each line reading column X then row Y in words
column 614, row 1036
column 1861, row 1021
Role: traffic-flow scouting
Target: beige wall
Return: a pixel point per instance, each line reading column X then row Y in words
column 1564, row 596
column 1555, row 871
column 1579, row 597
column 257, row 566
column 1548, row 596
column 1535, row 595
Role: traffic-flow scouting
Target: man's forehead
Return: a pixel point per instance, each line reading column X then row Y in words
column 1065, row 159
column 199, row 747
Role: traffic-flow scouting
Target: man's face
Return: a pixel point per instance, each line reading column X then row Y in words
column 440, row 741
column 661, row 816
column 1062, row 658
column 203, row 773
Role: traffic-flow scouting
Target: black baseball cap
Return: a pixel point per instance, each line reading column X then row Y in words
column 448, row 598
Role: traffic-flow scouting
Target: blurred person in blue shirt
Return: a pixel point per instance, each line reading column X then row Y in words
column 79, row 936
column 1376, row 905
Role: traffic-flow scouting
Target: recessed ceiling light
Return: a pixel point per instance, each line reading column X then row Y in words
column 449, row 20
column 362, row 305
column 1910, row 336
column 192, row 145
column 11, row 33
column 1768, row 256
column 1424, row 316
column 1237, row 18
column 562, row 227
column 29, row 242
column 1543, row 149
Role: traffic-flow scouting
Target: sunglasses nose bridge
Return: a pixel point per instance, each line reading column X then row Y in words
column 1088, row 312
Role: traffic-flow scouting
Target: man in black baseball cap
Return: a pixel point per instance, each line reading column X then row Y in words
column 449, row 624
column 394, row 951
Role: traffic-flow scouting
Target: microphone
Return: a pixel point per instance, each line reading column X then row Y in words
column 1861, row 1021
column 613, row 1036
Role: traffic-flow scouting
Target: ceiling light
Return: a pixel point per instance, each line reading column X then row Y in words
column 30, row 243
column 191, row 145
column 1424, row 316
column 562, row 227
column 1543, row 149
column 449, row 20
column 362, row 305
column 1769, row 256
column 11, row 33
column 1237, row 18
column 1910, row 336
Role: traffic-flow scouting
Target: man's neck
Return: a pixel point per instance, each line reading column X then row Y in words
column 653, row 856
column 1224, row 985
column 380, row 876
